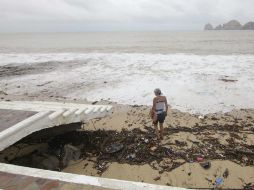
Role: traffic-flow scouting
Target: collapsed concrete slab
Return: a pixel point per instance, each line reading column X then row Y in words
column 46, row 115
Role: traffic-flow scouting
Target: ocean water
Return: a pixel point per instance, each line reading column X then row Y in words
column 125, row 67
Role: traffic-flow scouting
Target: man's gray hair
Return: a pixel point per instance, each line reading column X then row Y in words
column 157, row 91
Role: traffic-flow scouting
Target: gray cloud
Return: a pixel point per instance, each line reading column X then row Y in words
column 80, row 15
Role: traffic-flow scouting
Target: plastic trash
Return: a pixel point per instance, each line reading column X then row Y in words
column 226, row 173
column 131, row 156
column 218, row 181
column 200, row 117
column 205, row 165
column 200, row 159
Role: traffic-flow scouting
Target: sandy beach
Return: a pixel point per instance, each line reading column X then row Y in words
column 225, row 140
column 190, row 175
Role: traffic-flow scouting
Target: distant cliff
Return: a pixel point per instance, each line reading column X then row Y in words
column 248, row 26
column 208, row 27
column 231, row 25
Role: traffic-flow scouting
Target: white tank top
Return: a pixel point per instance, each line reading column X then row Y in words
column 160, row 107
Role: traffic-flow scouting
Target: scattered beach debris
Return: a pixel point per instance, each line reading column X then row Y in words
column 218, row 181
column 201, row 117
column 228, row 80
column 226, row 173
column 209, row 180
column 115, row 147
column 44, row 83
column 131, row 156
column 95, row 102
column 248, row 186
column 139, row 147
column 101, row 167
column 180, row 143
column 200, row 159
column 157, row 178
column 136, row 106
column 205, row 165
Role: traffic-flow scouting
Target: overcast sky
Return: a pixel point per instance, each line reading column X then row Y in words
column 107, row 15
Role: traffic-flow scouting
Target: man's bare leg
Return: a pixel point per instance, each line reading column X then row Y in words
column 161, row 131
column 157, row 130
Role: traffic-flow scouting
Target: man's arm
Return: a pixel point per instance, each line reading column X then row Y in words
column 154, row 105
column 152, row 111
column 166, row 104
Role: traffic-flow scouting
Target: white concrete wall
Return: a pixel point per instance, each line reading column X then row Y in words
column 83, row 179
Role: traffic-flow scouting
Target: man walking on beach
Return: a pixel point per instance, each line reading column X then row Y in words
column 159, row 111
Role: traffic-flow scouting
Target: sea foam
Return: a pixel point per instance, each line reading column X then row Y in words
column 192, row 83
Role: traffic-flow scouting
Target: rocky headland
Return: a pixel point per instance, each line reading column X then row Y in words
column 231, row 25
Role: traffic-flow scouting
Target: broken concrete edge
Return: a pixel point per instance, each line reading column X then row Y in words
column 42, row 120
column 20, row 126
column 22, row 129
column 53, row 106
column 82, row 179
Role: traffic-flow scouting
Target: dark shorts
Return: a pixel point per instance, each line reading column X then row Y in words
column 160, row 118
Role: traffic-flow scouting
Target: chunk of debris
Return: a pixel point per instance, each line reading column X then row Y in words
column 115, row 147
